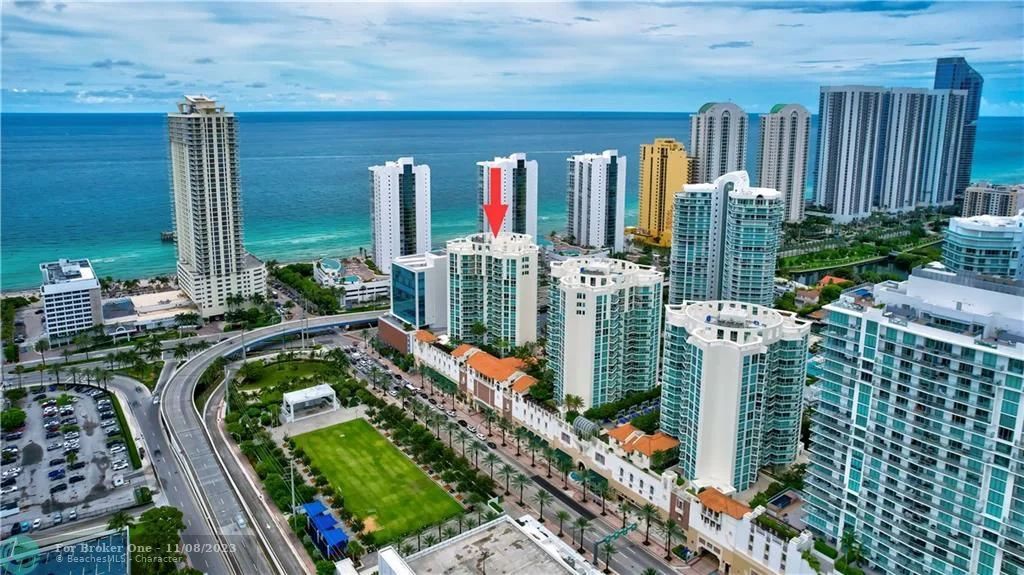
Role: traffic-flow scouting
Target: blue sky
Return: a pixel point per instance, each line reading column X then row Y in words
column 669, row 57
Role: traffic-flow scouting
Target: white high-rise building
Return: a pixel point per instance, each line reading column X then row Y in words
column 399, row 210
column 922, row 148
column 518, row 192
column 492, row 289
column 718, row 138
column 603, row 327
column 732, row 386
column 596, row 199
column 725, row 240
column 212, row 262
column 850, row 149
column 419, row 289
column 785, row 133
column 986, row 245
column 71, row 298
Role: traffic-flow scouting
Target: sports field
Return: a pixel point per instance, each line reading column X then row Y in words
column 380, row 484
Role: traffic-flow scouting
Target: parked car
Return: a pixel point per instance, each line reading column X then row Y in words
column 9, row 489
column 57, row 489
column 57, row 518
column 72, row 515
column 77, row 465
column 56, row 461
column 118, row 481
column 120, row 465
column 117, row 449
column 37, row 523
column 76, row 478
column 9, row 482
column 54, row 446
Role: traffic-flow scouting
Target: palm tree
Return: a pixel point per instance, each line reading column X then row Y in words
column 452, row 427
column 581, row 525
column 520, row 435
column 74, row 371
column 67, row 353
column 490, row 417
column 153, row 351
column 42, row 346
column 475, row 448
column 542, row 498
column 851, row 548
column 403, row 394
column 19, row 370
column 354, row 550
column 521, row 482
column 573, row 403
column 419, row 535
column 430, row 540
column 562, row 515
column 507, row 472
column 463, row 436
column 548, row 454
column 609, row 550
column 505, row 426
column 449, row 532
column 533, row 447
column 565, row 466
column 670, row 529
column 649, row 571
column 491, row 460
column 181, row 351
column 406, row 549
column 648, row 513
column 602, row 490
column 55, row 370
column 624, row 510
column 120, row 520
column 82, row 342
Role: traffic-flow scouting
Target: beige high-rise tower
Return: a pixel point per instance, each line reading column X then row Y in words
column 212, row 262
column 664, row 170
column 785, row 132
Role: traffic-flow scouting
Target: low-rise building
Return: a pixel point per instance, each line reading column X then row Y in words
column 145, row 312
column 71, row 298
column 506, row 545
column 644, row 446
column 356, row 283
column 732, row 534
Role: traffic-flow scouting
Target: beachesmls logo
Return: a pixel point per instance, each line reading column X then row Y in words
column 19, row 555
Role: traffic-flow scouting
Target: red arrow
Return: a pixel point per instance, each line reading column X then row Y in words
column 495, row 210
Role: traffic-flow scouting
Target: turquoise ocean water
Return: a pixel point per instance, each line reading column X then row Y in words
column 96, row 185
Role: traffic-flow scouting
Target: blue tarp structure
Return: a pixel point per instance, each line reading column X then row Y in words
column 315, row 507
column 324, row 529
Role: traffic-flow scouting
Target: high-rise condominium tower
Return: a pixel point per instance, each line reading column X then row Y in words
column 664, row 170
column 732, row 386
column 892, row 149
column 603, row 328
column 518, row 192
column 922, row 144
column 725, row 241
column 399, row 210
column 492, row 289
column 718, row 138
column 596, row 199
column 916, row 442
column 850, row 149
column 957, row 74
column 987, row 245
column 785, row 133
column 993, row 200
column 212, row 262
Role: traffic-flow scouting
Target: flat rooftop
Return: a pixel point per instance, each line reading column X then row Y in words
column 499, row 547
column 64, row 271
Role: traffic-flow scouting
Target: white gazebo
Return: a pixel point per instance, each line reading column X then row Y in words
column 303, row 399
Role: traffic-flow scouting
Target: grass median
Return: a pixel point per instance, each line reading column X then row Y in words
column 126, row 433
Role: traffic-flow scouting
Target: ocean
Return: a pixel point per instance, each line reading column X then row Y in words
column 96, row 185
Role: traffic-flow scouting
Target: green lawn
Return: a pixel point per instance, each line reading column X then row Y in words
column 286, row 371
column 377, row 480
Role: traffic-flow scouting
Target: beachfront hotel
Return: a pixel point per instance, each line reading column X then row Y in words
column 724, row 242
column 664, row 170
column 916, row 442
column 732, row 386
column 492, row 289
column 604, row 323
column 399, row 210
column 987, row 245
column 785, row 134
column 71, row 298
column 518, row 192
column 596, row 199
column 212, row 262
column 954, row 73
column 718, row 139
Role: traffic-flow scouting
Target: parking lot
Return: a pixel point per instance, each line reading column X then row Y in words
column 68, row 462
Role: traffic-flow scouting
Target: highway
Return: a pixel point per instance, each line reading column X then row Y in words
column 211, row 488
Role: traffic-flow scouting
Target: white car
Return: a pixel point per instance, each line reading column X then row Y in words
column 471, row 429
column 37, row 523
column 120, row 465
column 481, row 437
column 12, row 472
column 7, row 490
column 117, row 449
column 118, row 481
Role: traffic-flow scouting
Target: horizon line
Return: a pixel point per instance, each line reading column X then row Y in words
column 100, row 113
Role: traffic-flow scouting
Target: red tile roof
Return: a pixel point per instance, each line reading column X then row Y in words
column 425, row 336
column 494, row 368
column 632, row 439
column 717, row 501
column 462, row 350
column 523, row 383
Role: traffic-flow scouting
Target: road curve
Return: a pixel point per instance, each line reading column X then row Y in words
column 249, row 551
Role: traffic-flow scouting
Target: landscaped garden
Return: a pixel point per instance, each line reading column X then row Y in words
column 380, row 484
